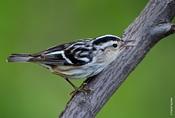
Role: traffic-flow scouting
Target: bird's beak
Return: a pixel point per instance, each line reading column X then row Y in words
column 127, row 44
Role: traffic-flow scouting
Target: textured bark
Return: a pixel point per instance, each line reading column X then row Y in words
column 153, row 24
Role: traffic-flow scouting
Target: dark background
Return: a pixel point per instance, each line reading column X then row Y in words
column 29, row 91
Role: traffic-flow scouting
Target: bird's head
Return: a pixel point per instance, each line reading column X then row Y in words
column 108, row 42
column 110, row 45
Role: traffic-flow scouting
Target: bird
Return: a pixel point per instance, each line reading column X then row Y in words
column 79, row 59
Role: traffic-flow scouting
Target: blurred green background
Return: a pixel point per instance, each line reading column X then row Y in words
column 29, row 91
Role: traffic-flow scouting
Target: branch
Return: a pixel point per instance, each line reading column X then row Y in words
column 153, row 24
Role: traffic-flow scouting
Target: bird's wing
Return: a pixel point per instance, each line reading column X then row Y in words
column 51, row 56
column 78, row 54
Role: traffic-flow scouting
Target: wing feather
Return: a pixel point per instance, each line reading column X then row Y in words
column 80, row 53
column 70, row 54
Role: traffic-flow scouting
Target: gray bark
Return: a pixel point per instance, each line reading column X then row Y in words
column 153, row 24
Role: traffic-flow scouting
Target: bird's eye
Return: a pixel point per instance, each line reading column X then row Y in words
column 115, row 45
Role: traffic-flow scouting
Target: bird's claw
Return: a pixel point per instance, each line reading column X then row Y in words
column 80, row 89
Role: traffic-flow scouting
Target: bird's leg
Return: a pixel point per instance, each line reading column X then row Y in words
column 77, row 89
column 71, row 83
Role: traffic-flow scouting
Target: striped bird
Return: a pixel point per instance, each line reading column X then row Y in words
column 81, row 59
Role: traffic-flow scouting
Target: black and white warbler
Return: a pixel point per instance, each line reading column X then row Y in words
column 81, row 59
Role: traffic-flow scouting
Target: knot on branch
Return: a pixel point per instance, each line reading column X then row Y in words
column 162, row 30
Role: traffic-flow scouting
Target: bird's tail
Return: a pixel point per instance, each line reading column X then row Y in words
column 19, row 58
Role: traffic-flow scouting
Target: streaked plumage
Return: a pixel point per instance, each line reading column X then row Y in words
column 81, row 59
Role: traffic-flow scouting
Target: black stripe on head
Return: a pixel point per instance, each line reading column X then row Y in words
column 105, row 38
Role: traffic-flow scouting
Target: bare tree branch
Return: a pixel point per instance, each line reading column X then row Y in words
column 153, row 24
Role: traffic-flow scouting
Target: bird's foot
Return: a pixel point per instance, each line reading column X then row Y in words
column 80, row 89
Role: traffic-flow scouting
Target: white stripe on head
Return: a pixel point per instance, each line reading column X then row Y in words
column 108, row 35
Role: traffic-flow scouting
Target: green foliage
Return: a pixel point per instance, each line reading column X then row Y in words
column 29, row 91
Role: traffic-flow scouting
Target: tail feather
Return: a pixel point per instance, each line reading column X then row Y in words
column 19, row 58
